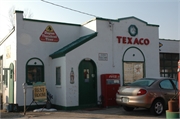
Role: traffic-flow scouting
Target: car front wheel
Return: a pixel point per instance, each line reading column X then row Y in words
column 157, row 107
column 128, row 108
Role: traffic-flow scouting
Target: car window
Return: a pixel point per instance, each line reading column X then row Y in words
column 142, row 82
column 176, row 83
column 166, row 84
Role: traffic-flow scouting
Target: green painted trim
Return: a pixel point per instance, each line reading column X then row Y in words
column 53, row 22
column 32, row 107
column 63, row 51
column 34, row 58
column 89, row 21
column 144, row 66
column 11, row 83
column 73, row 107
column 33, row 66
column 129, row 30
column 170, row 40
column 18, row 11
column 117, row 20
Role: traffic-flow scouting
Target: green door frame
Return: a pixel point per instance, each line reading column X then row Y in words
column 95, row 78
column 144, row 64
column 11, row 83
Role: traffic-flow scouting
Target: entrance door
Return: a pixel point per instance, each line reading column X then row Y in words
column 87, row 83
column 11, row 83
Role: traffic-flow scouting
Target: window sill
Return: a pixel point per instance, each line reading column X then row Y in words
column 29, row 86
column 58, row 86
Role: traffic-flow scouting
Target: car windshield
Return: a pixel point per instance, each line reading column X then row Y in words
column 143, row 82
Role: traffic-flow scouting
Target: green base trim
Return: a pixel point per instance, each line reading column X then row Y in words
column 74, row 107
column 32, row 107
column 59, row 107
column 171, row 115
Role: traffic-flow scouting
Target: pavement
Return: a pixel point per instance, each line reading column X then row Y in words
column 92, row 113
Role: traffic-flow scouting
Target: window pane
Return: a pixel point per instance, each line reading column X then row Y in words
column 167, row 56
column 168, row 69
column 166, row 84
column 34, row 74
column 161, row 56
column 58, row 75
column 167, row 63
column 162, row 75
column 176, row 84
column 166, row 75
column 161, row 63
column 162, row 69
column 174, row 69
column 175, row 63
column 175, row 57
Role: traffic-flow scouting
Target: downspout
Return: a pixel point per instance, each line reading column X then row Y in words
column 111, row 28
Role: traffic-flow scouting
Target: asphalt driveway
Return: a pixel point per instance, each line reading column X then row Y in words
column 98, row 113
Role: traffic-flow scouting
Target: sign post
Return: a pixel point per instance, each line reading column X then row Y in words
column 24, row 89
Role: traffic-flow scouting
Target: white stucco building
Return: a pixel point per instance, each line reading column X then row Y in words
column 70, row 57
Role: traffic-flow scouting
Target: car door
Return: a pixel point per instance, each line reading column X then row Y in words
column 176, row 84
column 167, row 89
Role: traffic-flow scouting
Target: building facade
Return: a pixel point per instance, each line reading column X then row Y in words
column 70, row 58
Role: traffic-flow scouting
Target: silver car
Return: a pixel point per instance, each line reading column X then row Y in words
column 150, row 93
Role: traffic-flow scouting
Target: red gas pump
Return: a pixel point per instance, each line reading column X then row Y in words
column 109, row 85
column 179, row 81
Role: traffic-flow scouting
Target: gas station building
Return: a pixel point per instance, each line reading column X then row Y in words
column 71, row 58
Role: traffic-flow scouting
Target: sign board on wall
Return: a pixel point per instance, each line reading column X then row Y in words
column 132, row 72
column 8, row 52
column 103, row 56
column 39, row 92
column 49, row 35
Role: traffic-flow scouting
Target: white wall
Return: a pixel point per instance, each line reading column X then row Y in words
column 169, row 46
column 88, row 28
column 106, row 42
column 58, row 91
column 29, row 46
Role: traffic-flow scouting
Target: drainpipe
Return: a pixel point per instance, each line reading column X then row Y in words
column 111, row 28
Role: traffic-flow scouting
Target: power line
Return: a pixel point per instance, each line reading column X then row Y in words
column 4, row 16
column 68, row 8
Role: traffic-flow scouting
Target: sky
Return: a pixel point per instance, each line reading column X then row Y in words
column 165, row 13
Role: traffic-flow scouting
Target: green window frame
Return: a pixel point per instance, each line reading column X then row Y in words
column 124, row 61
column 34, row 72
column 169, row 64
column 58, row 75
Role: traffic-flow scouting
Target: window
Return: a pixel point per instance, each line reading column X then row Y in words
column 168, row 64
column 143, row 82
column 34, row 74
column 176, row 83
column 58, row 75
column 34, row 71
column 166, row 84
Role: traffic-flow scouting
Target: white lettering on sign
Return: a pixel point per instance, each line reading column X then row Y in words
column 103, row 56
column 113, row 76
column 129, row 40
